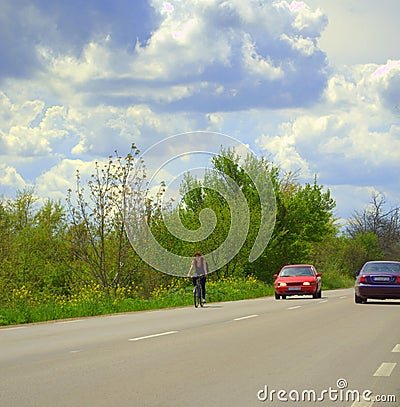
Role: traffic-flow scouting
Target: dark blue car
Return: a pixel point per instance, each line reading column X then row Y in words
column 378, row 280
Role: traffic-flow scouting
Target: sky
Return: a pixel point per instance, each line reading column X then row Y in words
column 312, row 85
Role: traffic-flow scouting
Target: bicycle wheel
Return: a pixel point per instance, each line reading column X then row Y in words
column 201, row 296
column 196, row 296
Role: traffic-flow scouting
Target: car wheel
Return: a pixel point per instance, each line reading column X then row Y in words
column 315, row 295
column 277, row 296
column 358, row 299
column 320, row 293
column 284, row 297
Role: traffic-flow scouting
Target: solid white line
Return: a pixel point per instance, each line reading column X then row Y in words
column 396, row 348
column 13, row 328
column 72, row 321
column 385, row 369
column 247, row 317
column 297, row 306
column 153, row 336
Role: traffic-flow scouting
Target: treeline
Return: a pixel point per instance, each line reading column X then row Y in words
column 53, row 246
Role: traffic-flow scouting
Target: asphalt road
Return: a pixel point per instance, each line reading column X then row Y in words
column 246, row 353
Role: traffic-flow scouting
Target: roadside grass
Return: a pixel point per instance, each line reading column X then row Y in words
column 25, row 306
column 333, row 279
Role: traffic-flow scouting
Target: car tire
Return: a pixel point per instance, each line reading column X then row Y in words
column 358, row 300
column 277, row 296
column 320, row 293
column 284, row 297
column 315, row 295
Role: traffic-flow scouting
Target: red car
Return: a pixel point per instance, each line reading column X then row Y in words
column 298, row 279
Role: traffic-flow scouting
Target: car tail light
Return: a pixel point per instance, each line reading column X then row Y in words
column 362, row 279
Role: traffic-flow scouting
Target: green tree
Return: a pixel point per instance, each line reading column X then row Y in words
column 32, row 248
column 99, row 245
column 48, row 238
column 304, row 218
column 22, row 251
column 232, row 189
column 383, row 223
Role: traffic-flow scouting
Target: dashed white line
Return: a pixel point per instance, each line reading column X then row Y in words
column 297, row 306
column 385, row 369
column 153, row 336
column 246, row 317
column 396, row 348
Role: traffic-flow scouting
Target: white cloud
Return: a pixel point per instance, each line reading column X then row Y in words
column 184, row 44
column 30, row 129
column 305, row 46
column 207, row 56
column 283, row 149
column 256, row 64
column 9, row 177
column 351, row 138
column 55, row 182
column 308, row 22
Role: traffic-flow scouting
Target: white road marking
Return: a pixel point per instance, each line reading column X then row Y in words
column 396, row 348
column 297, row 306
column 72, row 321
column 342, row 298
column 153, row 336
column 12, row 328
column 385, row 369
column 246, row 317
column 321, row 302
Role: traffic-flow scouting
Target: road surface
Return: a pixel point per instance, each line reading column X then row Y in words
column 300, row 351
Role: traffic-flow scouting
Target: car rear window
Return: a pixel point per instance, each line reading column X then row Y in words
column 296, row 271
column 382, row 268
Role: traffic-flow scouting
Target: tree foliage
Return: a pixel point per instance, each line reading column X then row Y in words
column 303, row 213
column 383, row 223
column 97, row 236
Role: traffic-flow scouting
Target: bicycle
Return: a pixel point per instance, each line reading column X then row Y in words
column 198, row 294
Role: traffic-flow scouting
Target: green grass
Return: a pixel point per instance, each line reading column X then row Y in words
column 332, row 280
column 27, row 307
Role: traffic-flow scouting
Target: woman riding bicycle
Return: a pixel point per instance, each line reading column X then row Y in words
column 199, row 266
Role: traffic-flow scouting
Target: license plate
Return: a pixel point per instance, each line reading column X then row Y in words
column 381, row 278
column 294, row 288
